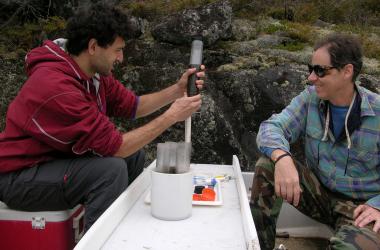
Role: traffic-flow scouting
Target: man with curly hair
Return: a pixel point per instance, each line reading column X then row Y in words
column 59, row 147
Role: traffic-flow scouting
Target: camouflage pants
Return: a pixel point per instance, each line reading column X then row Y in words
column 316, row 202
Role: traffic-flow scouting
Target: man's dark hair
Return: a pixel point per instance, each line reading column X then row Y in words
column 343, row 49
column 99, row 21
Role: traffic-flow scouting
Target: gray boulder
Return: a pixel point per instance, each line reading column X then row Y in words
column 212, row 22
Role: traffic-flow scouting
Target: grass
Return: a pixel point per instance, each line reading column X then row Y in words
column 371, row 49
column 304, row 34
column 151, row 9
column 274, row 27
column 371, row 44
column 293, row 46
column 301, row 32
column 20, row 38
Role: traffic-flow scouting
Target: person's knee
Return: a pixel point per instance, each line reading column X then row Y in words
column 264, row 162
column 264, row 166
column 352, row 237
column 135, row 164
column 140, row 162
column 116, row 172
column 115, row 165
column 263, row 177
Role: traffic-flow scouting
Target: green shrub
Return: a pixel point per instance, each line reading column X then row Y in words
column 303, row 33
column 151, row 9
column 277, row 13
column 371, row 45
column 29, row 35
column 355, row 12
column 364, row 12
column 247, row 13
column 292, row 46
column 53, row 24
column 272, row 28
column 306, row 13
column 371, row 48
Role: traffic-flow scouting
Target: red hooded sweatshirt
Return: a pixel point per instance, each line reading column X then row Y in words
column 61, row 113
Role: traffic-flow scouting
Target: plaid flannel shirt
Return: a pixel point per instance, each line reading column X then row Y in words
column 354, row 172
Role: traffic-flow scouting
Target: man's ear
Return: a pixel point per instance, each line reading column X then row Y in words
column 348, row 70
column 92, row 44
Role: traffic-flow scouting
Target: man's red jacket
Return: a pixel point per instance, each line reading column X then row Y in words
column 61, row 113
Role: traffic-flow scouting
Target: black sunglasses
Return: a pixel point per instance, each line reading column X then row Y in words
column 319, row 70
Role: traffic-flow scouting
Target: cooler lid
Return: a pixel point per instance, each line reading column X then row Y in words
column 50, row 216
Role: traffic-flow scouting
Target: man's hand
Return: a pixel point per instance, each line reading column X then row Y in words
column 286, row 180
column 365, row 214
column 179, row 110
column 183, row 107
column 182, row 82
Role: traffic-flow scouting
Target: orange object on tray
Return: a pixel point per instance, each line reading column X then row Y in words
column 208, row 194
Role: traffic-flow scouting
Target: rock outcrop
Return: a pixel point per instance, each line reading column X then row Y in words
column 248, row 78
column 212, row 22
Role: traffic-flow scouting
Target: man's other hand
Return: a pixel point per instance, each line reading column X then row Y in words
column 182, row 82
column 365, row 214
column 286, row 180
column 183, row 107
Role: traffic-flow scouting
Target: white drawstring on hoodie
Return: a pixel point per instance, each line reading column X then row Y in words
column 327, row 123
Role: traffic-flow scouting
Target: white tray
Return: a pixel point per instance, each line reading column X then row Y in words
column 218, row 197
column 125, row 224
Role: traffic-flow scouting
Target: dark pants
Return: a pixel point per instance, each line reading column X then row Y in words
column 62, row 184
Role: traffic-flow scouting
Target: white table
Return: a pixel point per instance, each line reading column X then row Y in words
column 128, row 224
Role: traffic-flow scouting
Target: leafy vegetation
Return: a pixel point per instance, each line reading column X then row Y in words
column 292, row 46
column 301, row 34
column 297, row 19
column 25, row 24
column 273, row 28
column 20, row 38
column 354, row 12
column 151, row 9
column 371, row 43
